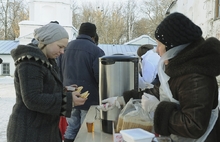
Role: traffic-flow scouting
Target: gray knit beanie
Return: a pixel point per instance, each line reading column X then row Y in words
column 50, row 33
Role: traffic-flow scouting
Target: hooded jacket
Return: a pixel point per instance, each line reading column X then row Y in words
column 193, row 83
column 40, row 99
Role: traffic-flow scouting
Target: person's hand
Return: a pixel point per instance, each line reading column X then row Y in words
column 131, row 94
column 149, row 102
column 77, row 100
column 110, row 103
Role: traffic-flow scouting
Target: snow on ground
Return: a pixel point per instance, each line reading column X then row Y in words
column 7, row 100
column 6, row 80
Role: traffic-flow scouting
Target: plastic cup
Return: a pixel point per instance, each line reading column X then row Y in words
column 90, row 126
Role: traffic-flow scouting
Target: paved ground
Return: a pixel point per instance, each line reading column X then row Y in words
column 7, row 100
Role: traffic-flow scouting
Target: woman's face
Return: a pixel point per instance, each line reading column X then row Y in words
column 161, row 48
column 53, row 50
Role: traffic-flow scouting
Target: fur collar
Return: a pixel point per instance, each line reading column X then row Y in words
column 201, row 56
column 29, row 52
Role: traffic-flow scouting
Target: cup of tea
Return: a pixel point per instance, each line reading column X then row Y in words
column 90, row 126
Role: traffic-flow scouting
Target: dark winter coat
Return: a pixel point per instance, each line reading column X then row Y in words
column 40, row 100
column 193, row 83
column 80, row 65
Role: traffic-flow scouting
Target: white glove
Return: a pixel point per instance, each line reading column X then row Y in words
column 110, row 103
column 149, row 102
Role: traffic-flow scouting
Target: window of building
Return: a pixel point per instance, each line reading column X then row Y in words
column 5, row 69
column 217, row 9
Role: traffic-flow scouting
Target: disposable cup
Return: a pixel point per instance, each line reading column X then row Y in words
column 90, row 126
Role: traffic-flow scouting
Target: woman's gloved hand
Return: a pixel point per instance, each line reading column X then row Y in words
column 110, row 103
column 149, row 103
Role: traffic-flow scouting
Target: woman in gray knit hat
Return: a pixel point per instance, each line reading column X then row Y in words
column 184, row 105
column 40, row 96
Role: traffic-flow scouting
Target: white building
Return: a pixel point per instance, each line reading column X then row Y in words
column 42, row 12
column 7, row 67
column 204, row 13
column 144, row 39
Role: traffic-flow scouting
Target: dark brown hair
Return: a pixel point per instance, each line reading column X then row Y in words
column 143, row 49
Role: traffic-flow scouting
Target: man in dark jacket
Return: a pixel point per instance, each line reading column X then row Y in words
column 80, row 65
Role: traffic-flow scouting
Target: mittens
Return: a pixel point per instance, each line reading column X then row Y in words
column 132, row 94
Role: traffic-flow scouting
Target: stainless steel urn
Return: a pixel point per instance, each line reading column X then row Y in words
column 117, row 74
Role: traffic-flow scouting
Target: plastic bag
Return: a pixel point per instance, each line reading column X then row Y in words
column 128, row 108
column 134, row 116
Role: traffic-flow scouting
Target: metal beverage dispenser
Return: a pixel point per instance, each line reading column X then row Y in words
column 117, row 74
